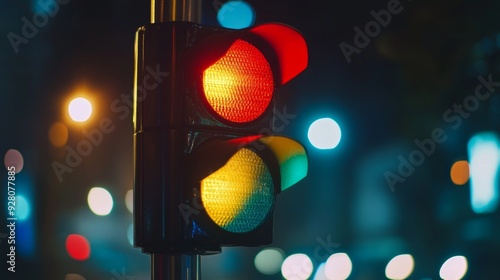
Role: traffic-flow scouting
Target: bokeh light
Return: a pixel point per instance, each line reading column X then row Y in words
column 78, row 247
column 454, row 268
column 484, row 158
column 320, row 273
column 338, row 266
column 80, row 109
column 129, row 200
column 324, row 134
column 236, row 15
column 14, row 158
column 22, row 208
column 58, row 134
column 297, row 267
column 400, row 267
column 268, row 261
column 459, row 172
column 100, row 201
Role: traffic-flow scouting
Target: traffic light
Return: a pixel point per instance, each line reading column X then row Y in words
column 207, row 165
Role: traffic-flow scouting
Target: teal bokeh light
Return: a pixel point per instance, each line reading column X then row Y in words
column 484, row 161
column 324, row 134
column 23, row 208
column 236, row 15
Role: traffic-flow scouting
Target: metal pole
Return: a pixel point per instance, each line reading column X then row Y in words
column 175, row 266
column 175, row 10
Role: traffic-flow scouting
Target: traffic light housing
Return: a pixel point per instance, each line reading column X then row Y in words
column 207, row 167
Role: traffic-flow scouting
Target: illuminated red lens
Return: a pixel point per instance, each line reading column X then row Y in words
column 239, row 86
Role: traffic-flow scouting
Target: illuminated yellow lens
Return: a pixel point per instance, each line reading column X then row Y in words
column 239, row 196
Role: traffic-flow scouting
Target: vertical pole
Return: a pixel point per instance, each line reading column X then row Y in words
column 175, row 266
column 175, row 10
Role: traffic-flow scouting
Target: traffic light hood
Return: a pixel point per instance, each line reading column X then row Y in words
column 283, row 46
column 285, row 158
column 288, row 45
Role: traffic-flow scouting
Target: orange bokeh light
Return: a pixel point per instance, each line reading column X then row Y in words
column 459, row 172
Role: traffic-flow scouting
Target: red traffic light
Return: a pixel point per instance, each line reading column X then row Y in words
column 205, row 177
column 240, row 85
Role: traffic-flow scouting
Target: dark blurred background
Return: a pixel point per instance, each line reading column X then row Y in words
column 376, row 195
